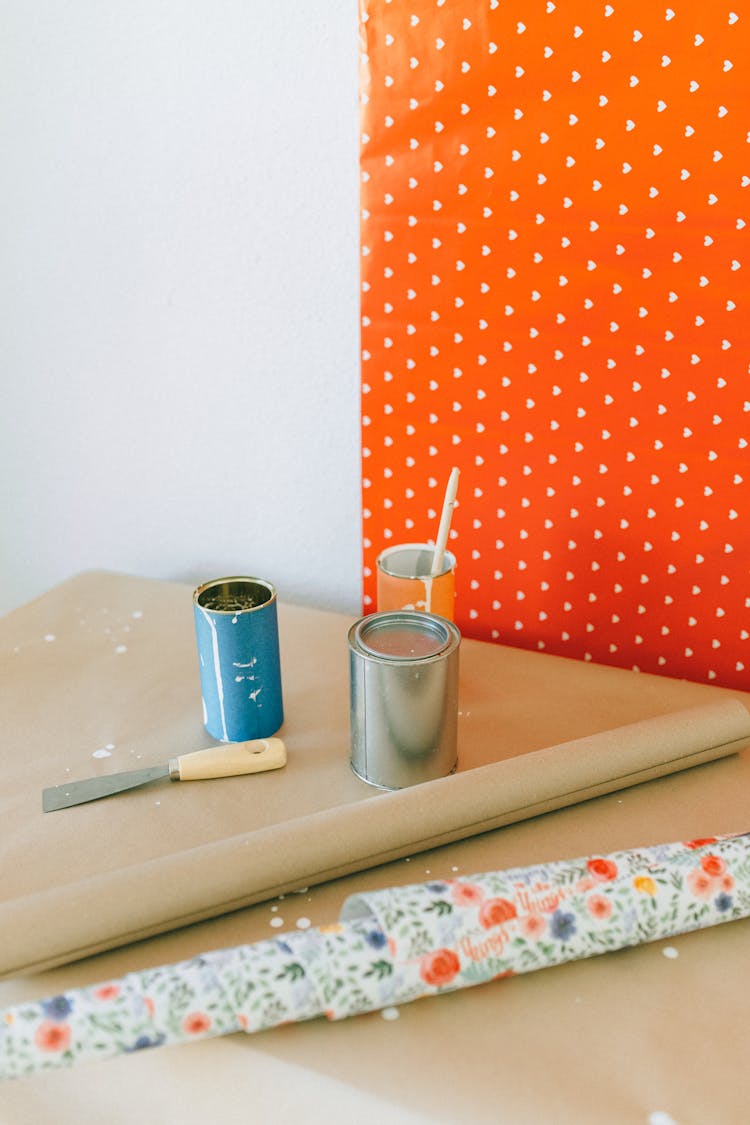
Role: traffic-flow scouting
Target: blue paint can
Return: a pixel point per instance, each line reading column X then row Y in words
column 236, row 626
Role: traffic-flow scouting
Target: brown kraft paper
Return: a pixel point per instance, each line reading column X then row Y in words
column 137, row 901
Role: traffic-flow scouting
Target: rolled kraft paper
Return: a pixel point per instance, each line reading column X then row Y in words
column 105, row 911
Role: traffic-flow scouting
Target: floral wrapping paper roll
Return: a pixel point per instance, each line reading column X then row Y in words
column 391, row 947
column 454, row 934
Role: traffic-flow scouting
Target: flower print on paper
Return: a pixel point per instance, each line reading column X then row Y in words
column 196, row 1023
column 496, row 911
column 711, row 881
column 700, row 883
column 466, row 894
column 599, row 906
column 57, row 1008
column 533, row 926
column 563, row 925
column 107, row 992
column 713, row 865
column 439, row 967
column 603, row 870
column 144, row 1042
column 52, row 1036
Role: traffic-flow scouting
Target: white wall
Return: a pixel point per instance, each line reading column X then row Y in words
column 179, row 293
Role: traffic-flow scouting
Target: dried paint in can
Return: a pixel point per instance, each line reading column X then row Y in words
column 403, row 697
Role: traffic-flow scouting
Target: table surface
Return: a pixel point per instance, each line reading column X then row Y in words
column 647, row 1035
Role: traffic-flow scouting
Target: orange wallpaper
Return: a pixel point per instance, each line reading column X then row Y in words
column 554, row 299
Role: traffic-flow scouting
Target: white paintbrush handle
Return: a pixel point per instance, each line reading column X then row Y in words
column 446, row 516
column 226, row 761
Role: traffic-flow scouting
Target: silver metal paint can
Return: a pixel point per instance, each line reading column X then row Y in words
column 403, row 697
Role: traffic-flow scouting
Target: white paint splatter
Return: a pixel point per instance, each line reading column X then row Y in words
column 217, row 670
column 277, row 921
column 303, row 923
column 659, row 1117
column 670, row 952
column 50, row 637
column 121, row 648
column 137, row 613
column 102, row 752
column 390, row 1014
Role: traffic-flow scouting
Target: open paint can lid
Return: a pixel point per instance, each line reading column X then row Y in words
column 405, row 635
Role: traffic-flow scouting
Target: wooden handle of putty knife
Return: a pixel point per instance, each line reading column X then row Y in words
column 226, row 761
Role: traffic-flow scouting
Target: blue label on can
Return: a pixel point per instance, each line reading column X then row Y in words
column 240, row 668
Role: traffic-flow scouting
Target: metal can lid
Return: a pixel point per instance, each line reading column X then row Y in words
column 404, row 635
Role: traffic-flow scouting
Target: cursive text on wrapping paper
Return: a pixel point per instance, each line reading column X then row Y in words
column 489, row 946
column 541, row 898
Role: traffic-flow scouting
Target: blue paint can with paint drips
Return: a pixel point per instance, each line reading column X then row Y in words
column 236, row 626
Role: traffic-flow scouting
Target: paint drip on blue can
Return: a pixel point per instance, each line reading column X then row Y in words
column 237, row 632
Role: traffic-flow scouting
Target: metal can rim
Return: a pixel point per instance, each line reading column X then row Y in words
column 243, row 578
column 449, row 561
column 370, row 620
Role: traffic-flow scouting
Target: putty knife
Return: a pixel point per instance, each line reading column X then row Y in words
column 217, row 761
